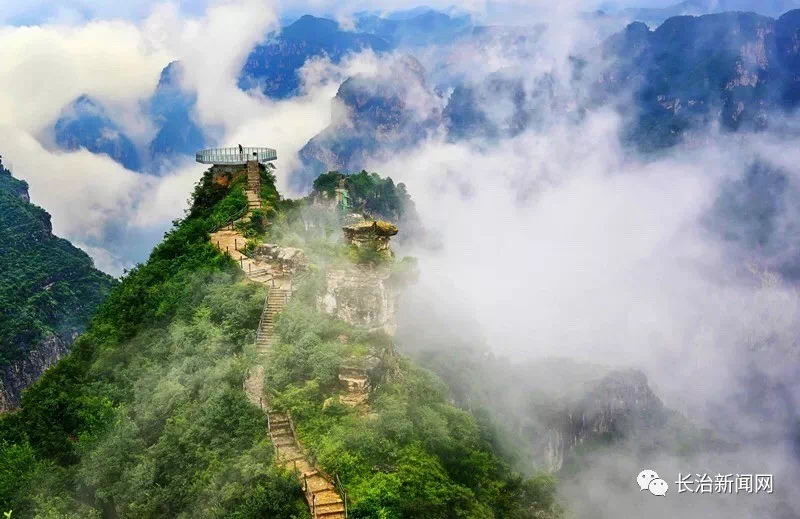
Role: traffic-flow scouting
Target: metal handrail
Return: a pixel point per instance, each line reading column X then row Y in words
column 235, row 155
column 261, row 321
column 232, row 221
column 340, row 488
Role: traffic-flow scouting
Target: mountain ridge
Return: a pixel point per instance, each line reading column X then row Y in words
column 48, row 291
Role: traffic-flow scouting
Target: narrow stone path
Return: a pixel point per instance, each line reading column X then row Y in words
column 357, row 384
column 323, row 499
column 276, row 300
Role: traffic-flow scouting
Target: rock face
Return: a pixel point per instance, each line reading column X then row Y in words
column 371, row 234
column 362, row 296
column 22, row 373
column 290, row 259
column 620, row 403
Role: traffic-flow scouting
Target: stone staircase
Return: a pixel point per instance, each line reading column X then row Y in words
column 323, row 499
column 253, row 189
column 357, row 386
column 276, row 300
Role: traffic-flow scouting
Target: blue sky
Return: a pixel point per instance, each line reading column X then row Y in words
column 34, row 12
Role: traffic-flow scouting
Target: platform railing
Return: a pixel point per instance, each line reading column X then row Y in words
column 235, row 155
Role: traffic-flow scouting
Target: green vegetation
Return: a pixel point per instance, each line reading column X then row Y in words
column 414, row 454
column 47, row 286
column 147, row 417
column 370, row 194
column 232, row 207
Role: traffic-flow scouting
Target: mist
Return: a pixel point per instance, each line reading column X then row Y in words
column 562, row 242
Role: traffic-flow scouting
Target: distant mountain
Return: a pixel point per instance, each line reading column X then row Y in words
column 48, row 291
column 700, row 7
column 735, row 69
column 85, row 123
column 272, row 66
column 372, row 117
column 516, row 104
column 171, row 110
column 418, row 27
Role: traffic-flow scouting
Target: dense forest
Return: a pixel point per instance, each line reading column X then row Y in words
column 47, row 286
column 147, row 416
column 370, row 194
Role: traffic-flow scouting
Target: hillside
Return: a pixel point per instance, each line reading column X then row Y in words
column 49, row 289
column 154, row 413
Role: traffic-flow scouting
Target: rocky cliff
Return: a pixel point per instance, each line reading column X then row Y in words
column 362, row 296
column 49, row 289
column 19, row 374
column 620, row 404
column 365, row 293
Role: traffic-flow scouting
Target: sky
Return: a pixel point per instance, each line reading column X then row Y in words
column 77, row 11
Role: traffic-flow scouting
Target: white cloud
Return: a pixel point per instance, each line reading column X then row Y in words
column 93, row 200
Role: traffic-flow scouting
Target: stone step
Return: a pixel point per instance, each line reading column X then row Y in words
column 329, row 502
column 352, row 371
column 330, row 511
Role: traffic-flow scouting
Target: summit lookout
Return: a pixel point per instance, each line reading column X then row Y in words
column 235, row 156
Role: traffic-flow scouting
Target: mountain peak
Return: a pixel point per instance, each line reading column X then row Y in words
column 85, row 123
column 309, row 26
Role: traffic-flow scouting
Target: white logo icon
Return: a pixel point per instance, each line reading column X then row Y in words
column 658, row 487
column 649, row 480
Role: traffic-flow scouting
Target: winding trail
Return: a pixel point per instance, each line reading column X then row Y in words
column 324, row 501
